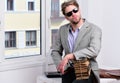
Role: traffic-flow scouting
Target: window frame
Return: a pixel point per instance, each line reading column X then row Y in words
column 24, row 62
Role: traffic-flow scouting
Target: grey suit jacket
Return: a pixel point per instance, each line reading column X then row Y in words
column 88, row 44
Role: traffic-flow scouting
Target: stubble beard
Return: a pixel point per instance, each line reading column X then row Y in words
column 76, row 22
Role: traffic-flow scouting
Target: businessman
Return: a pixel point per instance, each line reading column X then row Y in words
column 79, row 38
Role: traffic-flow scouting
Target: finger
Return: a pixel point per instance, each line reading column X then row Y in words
column 59, row 68
column 63, row 70
column 63, row 67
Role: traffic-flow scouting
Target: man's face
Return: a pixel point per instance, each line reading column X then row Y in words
column 72, row 13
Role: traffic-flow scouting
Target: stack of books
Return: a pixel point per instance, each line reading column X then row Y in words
column 82, row 68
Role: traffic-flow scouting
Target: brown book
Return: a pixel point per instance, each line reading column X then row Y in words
column 82, row 68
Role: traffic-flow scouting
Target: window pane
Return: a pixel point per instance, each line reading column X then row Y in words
column 22, row 29
column 10, row 39
column 57, row 18
column 30, row 5
column 54, row 35
column 30, row 38
column 9, row 4
column 54, row 8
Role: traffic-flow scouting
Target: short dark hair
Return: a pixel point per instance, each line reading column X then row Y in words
column 67, row 3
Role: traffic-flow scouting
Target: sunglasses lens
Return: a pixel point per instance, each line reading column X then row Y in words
column 70, row 13
column 75, row 10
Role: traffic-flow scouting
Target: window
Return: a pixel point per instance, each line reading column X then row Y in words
column 54, row 8
column 10, row 39
column 26, row 40
column 56, row 18
column 30, row 5
column 22, row 34
column 9, row 4
column 54, row 35
column 30, row 38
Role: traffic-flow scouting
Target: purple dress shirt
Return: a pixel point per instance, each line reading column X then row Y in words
column 72, row 36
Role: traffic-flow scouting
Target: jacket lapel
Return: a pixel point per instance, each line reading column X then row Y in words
column 66, row 39
column 81, row 33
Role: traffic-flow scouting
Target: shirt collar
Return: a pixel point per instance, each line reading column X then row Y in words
column 70, row 29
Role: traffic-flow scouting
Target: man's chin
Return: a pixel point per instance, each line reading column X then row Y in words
column 76, row 22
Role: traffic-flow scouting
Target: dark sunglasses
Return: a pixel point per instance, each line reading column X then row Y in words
column 75, row 10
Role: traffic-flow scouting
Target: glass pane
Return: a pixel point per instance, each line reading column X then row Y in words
column 9, row 4
column 31, row 38
column 30, row 5
column 17, row 42
column 57, row 19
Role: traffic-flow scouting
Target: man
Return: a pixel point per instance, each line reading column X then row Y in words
column 77, row 39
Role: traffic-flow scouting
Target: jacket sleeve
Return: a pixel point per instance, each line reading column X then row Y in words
column 57, row 49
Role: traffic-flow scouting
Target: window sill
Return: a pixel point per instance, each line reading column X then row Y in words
column 19, row 63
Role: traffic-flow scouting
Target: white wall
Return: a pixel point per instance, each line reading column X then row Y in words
column 25, row 75
column 106, row 14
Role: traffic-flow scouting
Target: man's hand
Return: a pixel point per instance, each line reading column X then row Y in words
column 64, row 62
